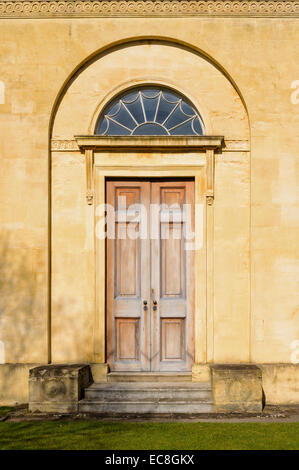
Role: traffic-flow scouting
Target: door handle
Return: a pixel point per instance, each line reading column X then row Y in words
column 145, row 307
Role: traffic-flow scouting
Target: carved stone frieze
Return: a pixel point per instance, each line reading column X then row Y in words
column 167, row 8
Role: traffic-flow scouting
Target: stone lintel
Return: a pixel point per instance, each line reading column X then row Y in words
column 189, row 143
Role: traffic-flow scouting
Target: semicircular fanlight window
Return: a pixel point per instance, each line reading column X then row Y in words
column 150, row 111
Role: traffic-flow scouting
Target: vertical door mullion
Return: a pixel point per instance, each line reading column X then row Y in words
column 155, row 275
column 145, row 278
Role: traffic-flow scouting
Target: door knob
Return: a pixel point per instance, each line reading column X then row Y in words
column 155, row 305
column 145, row 305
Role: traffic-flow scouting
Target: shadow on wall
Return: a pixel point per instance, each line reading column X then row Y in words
column 23, row 319
column 23, row 312
column 72, row 331
column 22, row 324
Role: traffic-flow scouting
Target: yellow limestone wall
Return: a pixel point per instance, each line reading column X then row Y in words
column 256, row 316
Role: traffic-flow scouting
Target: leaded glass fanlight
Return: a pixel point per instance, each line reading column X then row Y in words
column 150, row 111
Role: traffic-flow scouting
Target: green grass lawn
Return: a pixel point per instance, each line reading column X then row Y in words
column 4, row 410
column 95, row 435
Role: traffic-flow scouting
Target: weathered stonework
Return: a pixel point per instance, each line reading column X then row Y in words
column 201, row 373
column 99, row 372
column 237, row 388
column 280, row 383
column 57, row 388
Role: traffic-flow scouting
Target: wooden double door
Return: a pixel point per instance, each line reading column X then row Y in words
column 150, row 275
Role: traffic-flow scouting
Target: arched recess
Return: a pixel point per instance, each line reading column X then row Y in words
column 124, row 43
column 83, row 97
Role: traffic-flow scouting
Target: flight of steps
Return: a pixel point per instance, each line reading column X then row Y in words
column 144, row 393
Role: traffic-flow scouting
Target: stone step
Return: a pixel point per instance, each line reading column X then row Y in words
column 88, row 406
column 149, row 392
column 149, row 377
column 147, row 398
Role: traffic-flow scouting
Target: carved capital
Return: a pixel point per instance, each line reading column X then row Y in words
column 210, row 200
column 89, row 197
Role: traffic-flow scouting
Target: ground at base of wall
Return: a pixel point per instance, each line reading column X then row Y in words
column 269, row 414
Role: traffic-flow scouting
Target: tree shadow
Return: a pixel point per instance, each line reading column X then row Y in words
column 23, row 321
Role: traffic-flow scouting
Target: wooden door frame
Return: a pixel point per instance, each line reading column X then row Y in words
column 150, row 157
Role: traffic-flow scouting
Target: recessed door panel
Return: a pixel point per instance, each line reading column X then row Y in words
column 172, row 341
column 128, row 339
column 127, row 263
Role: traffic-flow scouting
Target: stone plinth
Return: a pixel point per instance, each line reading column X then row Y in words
column 57, row 388
column 237, row 388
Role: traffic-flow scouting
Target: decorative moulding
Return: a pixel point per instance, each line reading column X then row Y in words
column 154, row 8
column 207, row 143
column 72, row 146
column 64, row 146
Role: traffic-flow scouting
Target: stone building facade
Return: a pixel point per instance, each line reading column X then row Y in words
column 61, row 64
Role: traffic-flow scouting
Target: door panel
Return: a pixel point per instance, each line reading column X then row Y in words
column 172, row 278
column 154, row 267
column 128, row 274
column 172, row 339
column 128, row 339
